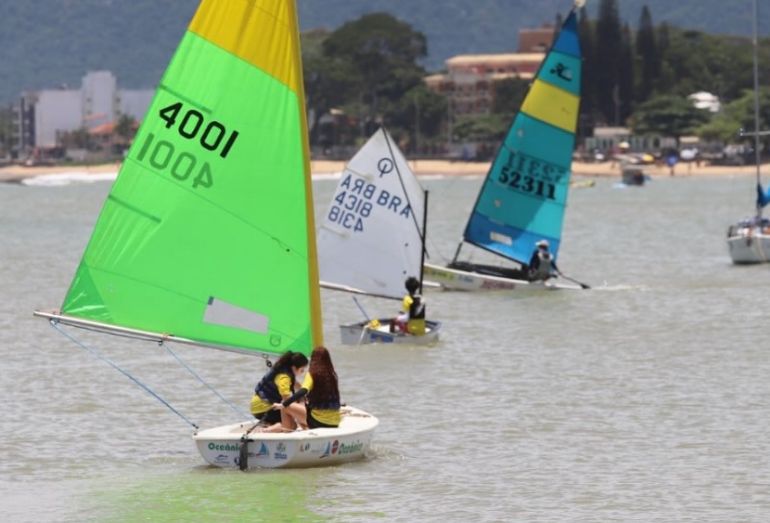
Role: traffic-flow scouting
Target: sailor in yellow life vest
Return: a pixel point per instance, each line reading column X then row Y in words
column 277, row 385
column 414, row 307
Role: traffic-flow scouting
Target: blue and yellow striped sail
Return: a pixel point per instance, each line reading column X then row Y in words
column 525, row 192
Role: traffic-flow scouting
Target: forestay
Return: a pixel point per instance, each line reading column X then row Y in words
column 525, row 192
column 208, row 233
column 371, row 238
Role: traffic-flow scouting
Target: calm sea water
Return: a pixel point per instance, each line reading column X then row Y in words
column 646, row 399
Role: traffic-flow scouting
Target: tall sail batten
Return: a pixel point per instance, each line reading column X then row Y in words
column 525, row 192
column 193, row 240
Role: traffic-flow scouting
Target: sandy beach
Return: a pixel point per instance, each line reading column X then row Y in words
column 16, row 173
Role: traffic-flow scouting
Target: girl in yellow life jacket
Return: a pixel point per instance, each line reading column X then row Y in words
column 277, row 385
column 414, row 306
column 322, row 391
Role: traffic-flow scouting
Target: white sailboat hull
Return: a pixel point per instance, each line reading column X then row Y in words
column 749, row 246
column 457, row 280
column 220, row 446
column 360, row 333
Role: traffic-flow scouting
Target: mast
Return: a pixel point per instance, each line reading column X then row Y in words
column 423, row 235
column 316, row 321
column 457, row 252
column 756, row 97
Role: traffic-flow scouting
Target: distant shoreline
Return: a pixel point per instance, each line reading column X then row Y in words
column 17, row 173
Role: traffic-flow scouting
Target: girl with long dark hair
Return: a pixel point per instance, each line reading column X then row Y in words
column 322, row 408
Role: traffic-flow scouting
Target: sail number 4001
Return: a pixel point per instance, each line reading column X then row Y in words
column 190, row 126
column 162, row 155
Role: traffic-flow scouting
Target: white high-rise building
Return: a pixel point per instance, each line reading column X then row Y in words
column 43, row 115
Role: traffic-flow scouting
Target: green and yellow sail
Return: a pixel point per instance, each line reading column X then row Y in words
column 208, row 232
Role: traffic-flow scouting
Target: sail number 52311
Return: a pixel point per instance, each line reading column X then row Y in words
column 526, row 184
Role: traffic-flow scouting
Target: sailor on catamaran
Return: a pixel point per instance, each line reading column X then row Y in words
column 542, row 265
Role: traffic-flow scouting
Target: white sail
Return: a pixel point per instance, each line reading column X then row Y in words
column 370, row 239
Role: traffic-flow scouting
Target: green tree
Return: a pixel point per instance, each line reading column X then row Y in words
column 79, row 139
column 6, row 130
column 736, row 115
column 125, row 127
column 667, row 115
column 330, row 81
column 667, row 76
column 487, row 128
column 508, row 96
column 586, row 31
column 608, row 60
column 417, row 119
column 626, row 74
column 383, row 52
column 647, row 50
column 695, row 61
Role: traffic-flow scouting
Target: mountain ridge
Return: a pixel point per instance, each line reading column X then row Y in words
column 48, row 43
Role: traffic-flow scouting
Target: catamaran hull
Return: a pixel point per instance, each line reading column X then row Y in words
column 360, row 333
column 457, row 280
column 749, row 248
column 220, row 446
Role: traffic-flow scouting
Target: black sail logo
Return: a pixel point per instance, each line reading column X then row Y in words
column 562, row 72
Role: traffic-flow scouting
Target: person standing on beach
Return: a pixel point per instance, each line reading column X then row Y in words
column 671, row 159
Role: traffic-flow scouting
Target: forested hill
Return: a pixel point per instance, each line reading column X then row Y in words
column 45, row 43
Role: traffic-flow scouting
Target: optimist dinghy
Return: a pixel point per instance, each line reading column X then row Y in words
column 373, row 236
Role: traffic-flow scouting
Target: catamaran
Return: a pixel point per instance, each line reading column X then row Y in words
column 207, row 236
column 524, row 195
column 749, row 240
column 372, row 237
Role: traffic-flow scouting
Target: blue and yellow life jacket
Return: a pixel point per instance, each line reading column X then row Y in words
column 266, row 388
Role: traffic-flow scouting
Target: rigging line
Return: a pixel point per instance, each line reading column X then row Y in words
column 197, row 376
column 94, row 352
column 437, row 250
column 403, row 188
